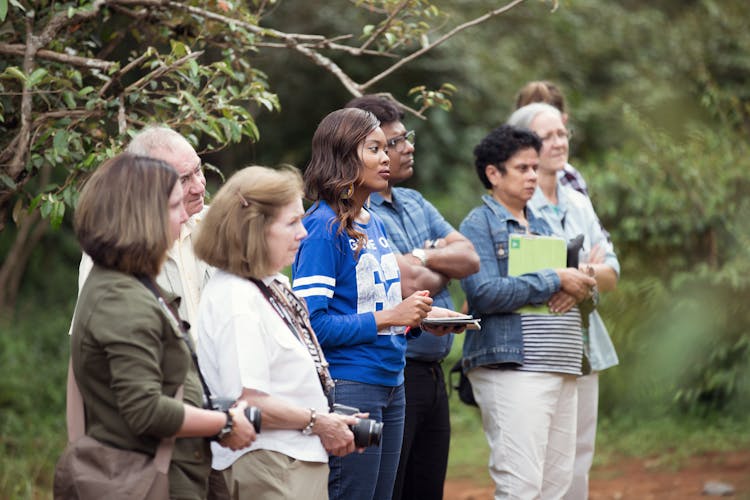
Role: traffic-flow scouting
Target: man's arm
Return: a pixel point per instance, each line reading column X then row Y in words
column 453, row 257
column 415, row 276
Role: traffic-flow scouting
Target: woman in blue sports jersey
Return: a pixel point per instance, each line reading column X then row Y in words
column 347, row 273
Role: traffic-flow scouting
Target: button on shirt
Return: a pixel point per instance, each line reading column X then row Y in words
column 188, row 270
column 409, row 221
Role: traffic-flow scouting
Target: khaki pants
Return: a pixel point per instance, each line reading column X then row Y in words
column 269, row 475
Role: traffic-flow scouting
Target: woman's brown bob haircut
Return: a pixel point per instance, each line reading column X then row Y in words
column 232, row 236
column 122, row 218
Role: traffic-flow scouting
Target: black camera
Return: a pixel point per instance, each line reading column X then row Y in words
column 366, row 432
column 251, row 412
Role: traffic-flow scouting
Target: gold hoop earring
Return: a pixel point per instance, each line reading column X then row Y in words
column 348, row 193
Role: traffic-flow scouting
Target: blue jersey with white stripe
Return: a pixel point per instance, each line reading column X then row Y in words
column 342, row 292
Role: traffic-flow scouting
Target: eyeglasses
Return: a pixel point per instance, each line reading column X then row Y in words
column 399, row 142
column 563, row 135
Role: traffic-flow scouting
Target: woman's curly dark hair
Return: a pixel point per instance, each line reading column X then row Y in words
column 499, row 146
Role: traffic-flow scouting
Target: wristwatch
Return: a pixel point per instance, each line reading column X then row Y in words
column 421, row 255
column 309, row 428
column 228, row 426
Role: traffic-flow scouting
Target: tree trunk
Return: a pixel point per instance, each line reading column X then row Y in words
column 31, row 228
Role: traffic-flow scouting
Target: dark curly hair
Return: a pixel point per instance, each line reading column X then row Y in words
column 499, row 146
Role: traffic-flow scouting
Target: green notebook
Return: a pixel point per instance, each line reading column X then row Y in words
column 529, row 254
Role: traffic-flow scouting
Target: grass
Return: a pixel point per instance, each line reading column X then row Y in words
column 670, row 440
column 34, row 357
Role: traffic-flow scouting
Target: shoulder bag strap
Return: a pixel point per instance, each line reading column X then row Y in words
column 148, row 283
column 77, row 427
column 74, row 407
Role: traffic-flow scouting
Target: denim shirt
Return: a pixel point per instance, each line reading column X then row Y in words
column 575, row 215
column 410, row 220
column 493, row 296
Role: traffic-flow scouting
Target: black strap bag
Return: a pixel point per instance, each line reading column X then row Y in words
column 465, row 392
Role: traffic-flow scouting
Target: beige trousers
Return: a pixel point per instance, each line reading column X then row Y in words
column 270, row 475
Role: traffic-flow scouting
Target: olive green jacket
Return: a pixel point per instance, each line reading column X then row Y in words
column 129, row 358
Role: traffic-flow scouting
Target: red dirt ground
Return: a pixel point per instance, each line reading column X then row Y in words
column 643, row 479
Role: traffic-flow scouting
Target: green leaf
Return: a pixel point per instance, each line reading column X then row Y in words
column 36, row 77
column 3, row 9
column 18, row 207
column 70, row 101
column 58, row 212
column 75, row 75
column 8, row 181
column 46, row 208
column 14, row 72
column 191, row 99
column 60, row 142
column 179, row 49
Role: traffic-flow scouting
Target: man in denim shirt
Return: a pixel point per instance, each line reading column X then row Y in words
column 431, row 253
column 528, row 414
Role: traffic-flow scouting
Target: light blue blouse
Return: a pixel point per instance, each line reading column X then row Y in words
column 575, row 215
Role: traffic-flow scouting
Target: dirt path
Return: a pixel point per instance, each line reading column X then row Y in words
column 643, row 479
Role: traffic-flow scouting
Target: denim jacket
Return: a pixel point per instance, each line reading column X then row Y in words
column 493, row 296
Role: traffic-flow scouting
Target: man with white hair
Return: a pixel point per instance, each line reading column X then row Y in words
column 182, row 273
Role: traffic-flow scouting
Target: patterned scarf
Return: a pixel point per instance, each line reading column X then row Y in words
column 295, row 314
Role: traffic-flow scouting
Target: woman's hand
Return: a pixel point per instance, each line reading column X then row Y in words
column 561, row 302
column 442, row 312
column 243, row 432
column 576, row 283
column 410, row 312
column 334, row 433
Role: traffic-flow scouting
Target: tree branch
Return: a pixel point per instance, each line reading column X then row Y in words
column 353, row 87
column 61, row 20
column 417, row 113
column 324, row 44
column 385, row 25
column 85, row 62
column 160, row 71
column 24, row 134
column 267, row 32
column 450, row 34
column 132, row 64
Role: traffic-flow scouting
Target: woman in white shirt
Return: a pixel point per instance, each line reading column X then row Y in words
column 257, row 344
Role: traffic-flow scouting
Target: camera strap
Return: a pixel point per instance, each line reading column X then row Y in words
column 294, row 313
column 183, row 327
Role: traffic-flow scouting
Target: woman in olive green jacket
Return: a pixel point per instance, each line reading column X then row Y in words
column 128, row 351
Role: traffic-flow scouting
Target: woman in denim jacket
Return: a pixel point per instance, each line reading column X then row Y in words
column 522, row 366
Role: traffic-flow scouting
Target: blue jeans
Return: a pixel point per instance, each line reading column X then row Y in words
column 369, row 475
